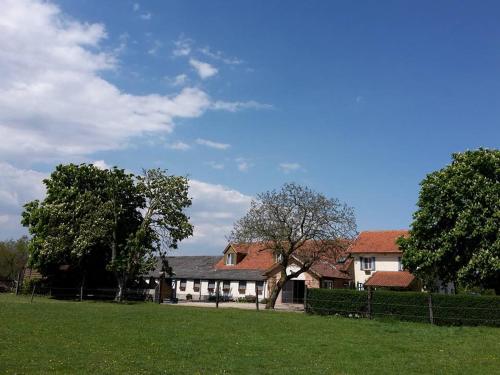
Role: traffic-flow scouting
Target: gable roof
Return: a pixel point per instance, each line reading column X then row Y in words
column 202, row 267
column 257, row 256
column 394, row 279
column 383, row 241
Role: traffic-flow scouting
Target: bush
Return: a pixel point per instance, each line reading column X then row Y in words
column 410, row 306
column 343, row 302
column 264, row 301
column 189, row 296
column 27, row 286
column 466, row 309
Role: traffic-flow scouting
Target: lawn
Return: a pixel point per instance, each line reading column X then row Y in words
column 49, row 336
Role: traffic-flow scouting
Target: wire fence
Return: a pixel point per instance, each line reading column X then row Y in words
column 412, row 306
column 105, row 293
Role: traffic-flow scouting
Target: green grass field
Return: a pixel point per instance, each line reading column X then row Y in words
column 49, row 336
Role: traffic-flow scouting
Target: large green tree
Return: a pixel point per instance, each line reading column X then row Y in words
column 455, row 232
column 13, row 257
column 119, row 219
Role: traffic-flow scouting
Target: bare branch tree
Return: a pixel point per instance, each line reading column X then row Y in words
column 296, row 222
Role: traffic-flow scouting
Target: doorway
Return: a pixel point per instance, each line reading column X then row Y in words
column 293, row 291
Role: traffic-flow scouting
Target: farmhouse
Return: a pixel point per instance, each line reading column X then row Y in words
column 377, row 261
column 247, row 271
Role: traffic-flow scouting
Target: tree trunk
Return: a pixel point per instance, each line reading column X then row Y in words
column 276, row 291
column 122, row 281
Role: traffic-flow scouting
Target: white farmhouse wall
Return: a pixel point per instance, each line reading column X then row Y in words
column 383, row 262
column 204, row 293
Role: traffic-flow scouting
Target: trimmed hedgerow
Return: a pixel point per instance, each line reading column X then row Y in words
column 410, row 306
column 345, row 302
column 466, row 309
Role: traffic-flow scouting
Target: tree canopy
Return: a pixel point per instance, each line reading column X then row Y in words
column 455, row 231
column 296, row 221
column 102, row 220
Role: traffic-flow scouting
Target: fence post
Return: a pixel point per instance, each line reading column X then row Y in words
column 217, row 294
column 370, row 297
column 431, row 314
column 19, row 278
column 256, row 297
column 33, row 293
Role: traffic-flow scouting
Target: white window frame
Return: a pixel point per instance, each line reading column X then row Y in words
column 366, row 263
column 229, row 259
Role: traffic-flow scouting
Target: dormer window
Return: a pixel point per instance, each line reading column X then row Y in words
column 230, row 259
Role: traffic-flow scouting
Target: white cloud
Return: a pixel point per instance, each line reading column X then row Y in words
column 101, row 164
column 17, row 187
column 204, row 70
column 289, row 167
column 181, row 146
column 53, row 102
column 136, row 7
column 146, row 16
column 214, row 165
column 182, row 47
column 215, row 208
column 155, row 47
column 218, row 55
column 237, row 106
column 212, row 144
column 178, row 80
column 243, row 164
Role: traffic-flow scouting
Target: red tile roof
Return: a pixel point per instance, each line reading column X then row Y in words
column 330, row 270
column 395, row 279
column 383, row 241
column 257, row 257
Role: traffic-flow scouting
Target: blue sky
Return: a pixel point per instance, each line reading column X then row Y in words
column 358, row 100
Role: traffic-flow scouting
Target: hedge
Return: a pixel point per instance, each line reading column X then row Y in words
column 343, row 302
column 410, row 306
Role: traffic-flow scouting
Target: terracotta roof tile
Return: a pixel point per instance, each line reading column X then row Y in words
column 257, row 257
column 395, row 279
column 377, row 242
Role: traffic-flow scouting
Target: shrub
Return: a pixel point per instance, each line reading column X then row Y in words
column 264, row 300
column 336, row 301
column 250, row 299
column 466, row 309
column 189, row 296
column 411, row 306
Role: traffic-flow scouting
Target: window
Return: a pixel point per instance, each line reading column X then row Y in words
column 367, row 263
column 182, row 285
column 279, row 258
column 242, row 286
column 400, row 264
column 196, row 285
column 260, row 287
column 230, row 259
column 360, row 286
column 211, row 285
column 226, row 285
column 328, row 284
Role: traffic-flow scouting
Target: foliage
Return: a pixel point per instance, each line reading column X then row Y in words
column 13, row 257
column 410, row 306
column 93, row 219
column 342, row 302
column 296, row 224
column 46, row 337
column 455, row 232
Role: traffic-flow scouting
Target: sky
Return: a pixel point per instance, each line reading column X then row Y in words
column 357, row 100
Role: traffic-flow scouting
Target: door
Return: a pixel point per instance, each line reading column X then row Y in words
column 287, row 292
column 293, row 291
